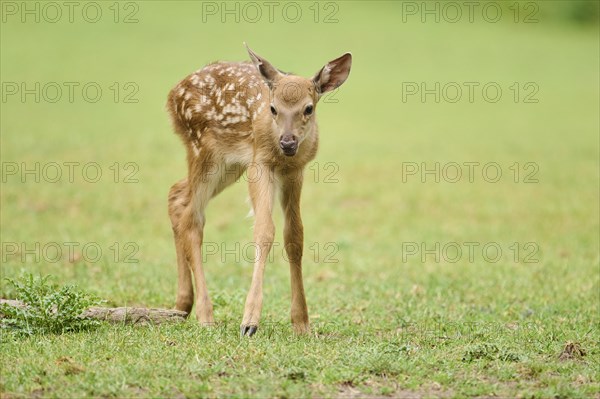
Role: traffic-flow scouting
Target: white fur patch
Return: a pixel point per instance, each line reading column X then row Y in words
column 195, row 149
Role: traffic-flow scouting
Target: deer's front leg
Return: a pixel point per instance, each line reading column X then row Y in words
column 261, row 183
column 293, row 235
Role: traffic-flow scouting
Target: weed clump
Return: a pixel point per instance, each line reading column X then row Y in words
column 46, row 308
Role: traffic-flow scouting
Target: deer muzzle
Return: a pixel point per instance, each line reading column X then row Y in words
column 289, row 144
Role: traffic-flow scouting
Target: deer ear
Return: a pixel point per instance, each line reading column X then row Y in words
column 332, row 75
column 269, row 73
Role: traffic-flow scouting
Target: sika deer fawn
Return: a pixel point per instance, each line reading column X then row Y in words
column 234, row 117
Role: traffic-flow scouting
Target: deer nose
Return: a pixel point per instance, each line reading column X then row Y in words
column 289, row 144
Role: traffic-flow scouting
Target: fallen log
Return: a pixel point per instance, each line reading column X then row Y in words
column 123, row 315
column 135, row 315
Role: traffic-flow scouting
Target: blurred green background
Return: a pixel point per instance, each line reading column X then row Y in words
column 369, row 129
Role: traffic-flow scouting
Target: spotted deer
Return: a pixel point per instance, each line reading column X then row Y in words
column 236, row 117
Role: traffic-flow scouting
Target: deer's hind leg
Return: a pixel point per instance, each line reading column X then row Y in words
column 178, row 201
column 187, row 202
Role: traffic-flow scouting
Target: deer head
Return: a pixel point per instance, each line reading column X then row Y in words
column 294, row 98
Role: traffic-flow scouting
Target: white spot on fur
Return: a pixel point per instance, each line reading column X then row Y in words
column 212, row 115
column 235, row 109
column 230, row 120
column 195, row 148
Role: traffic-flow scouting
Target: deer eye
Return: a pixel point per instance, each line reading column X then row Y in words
column 273, row 110
column 308, row 110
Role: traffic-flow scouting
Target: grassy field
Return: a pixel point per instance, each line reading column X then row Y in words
column 420, row 282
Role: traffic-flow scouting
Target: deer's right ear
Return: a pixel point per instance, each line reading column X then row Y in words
column 269, row 73
column 332, row 75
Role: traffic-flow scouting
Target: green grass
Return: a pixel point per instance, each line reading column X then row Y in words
column 384, row 322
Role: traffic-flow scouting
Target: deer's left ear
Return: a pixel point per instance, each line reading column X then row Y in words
column 332, row 75
column 269, row 73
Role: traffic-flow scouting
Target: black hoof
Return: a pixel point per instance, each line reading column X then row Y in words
column 248, row 330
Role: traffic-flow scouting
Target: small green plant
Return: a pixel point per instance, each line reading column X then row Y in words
column 47, row 308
